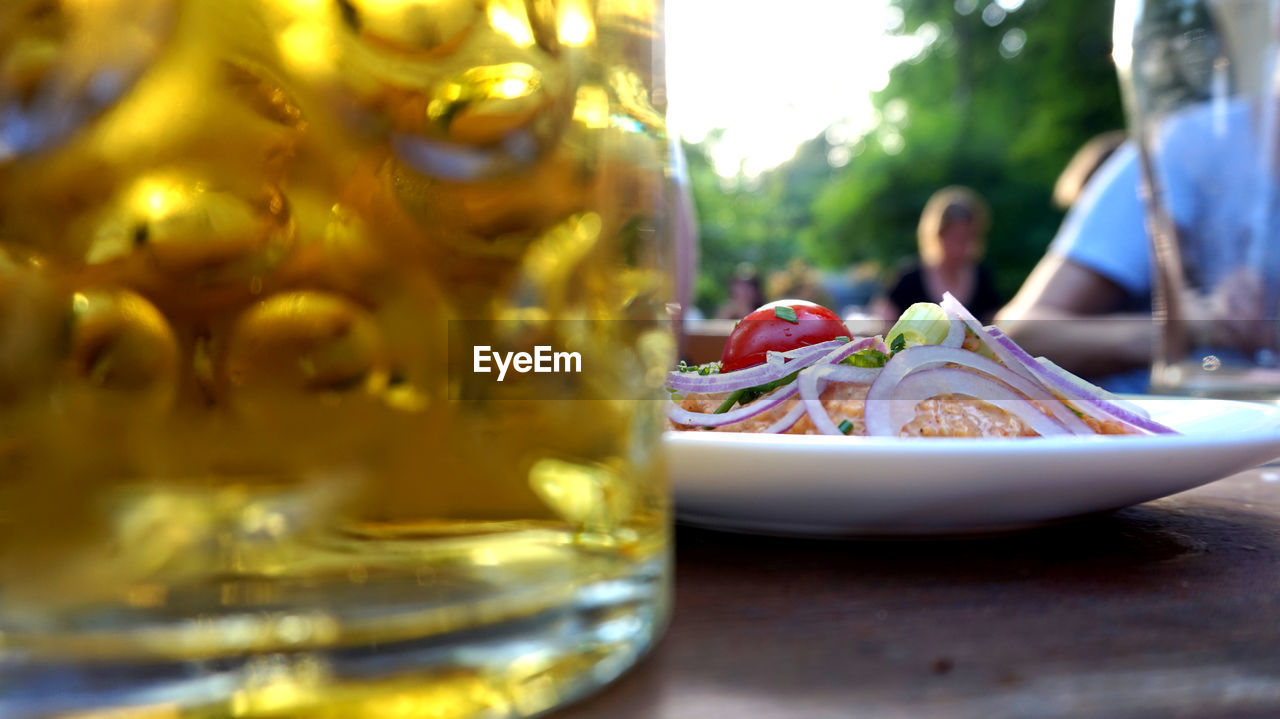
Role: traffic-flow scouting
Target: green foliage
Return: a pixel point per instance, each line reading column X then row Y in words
column 758, row 223
column 968, row 114
column 961, row 112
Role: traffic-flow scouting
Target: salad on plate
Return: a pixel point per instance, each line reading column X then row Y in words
column 792, row 367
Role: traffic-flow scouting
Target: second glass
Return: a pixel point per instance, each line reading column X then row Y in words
column 1199, row 80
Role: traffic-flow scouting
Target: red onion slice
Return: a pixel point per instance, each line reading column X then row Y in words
column 1090, row 402
column 812, row 379
column 788, row 420
column 1087, row 387
column 824, row 354
column 680, row 415
column 847, row 374
column 952, row 306
column 921, row 357
column 888, row 412
column 955, row 333
column 777, row 366
column 811, row 397
column 866, row 343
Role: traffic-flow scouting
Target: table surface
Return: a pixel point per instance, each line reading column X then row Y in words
column 1167, row 609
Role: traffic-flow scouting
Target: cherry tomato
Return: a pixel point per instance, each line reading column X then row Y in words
column 768, row 328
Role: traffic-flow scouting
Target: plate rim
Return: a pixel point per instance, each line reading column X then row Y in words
column 1252, row 442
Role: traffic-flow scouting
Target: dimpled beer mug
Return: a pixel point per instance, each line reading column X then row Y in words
column 240, row 242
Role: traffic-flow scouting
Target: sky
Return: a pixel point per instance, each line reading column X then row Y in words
column 774, row 73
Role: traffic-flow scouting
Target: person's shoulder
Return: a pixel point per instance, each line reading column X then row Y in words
column 1109, row 209
column 987, row 296
column 906, row 285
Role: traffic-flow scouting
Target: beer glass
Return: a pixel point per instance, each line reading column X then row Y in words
column 240, row 242
column 1199, row 81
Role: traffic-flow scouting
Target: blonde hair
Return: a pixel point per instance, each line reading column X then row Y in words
column 1083, row 165
column 951, row 204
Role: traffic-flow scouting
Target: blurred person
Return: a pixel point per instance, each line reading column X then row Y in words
column 745, row 294
column 1083, row 165
column 1097, row 269
column 951, row 236
column 1088, row 303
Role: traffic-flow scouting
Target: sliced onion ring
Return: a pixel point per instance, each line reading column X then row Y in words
column 829, row 368
column 866, row 343
column 810, row 382
column 1088, row 387
column 826, row 354
column 920, row 357
column 1092, row 403
column 787, row 420
column 955, row 333
column 887, row 415
column 952, row 306
column 777, row 366
column 680, row 415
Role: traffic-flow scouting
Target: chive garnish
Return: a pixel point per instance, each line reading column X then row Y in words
column 748, row 395
column 846, row 426
column 866, row 358
column 729, row 402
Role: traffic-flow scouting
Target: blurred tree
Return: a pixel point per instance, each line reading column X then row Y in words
column 758, row 221
column 999, row 97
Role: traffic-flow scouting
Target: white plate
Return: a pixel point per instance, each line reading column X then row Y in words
column 815, row 485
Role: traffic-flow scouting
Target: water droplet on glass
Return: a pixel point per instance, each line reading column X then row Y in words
column 1210, row 363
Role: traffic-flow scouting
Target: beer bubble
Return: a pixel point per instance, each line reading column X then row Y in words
column 254, row 87
column 542, row 19
column 461, row 93
column 305, row 343
column 186, row 231
column 410, row 26
column 123, row 346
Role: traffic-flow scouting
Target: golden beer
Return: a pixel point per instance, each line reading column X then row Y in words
column 242, row 245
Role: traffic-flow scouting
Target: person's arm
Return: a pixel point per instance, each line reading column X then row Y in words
column 1066, row 312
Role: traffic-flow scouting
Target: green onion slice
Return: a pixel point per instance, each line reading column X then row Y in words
column 924, row 323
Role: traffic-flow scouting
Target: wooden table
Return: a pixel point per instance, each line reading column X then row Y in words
column 1168, row 609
